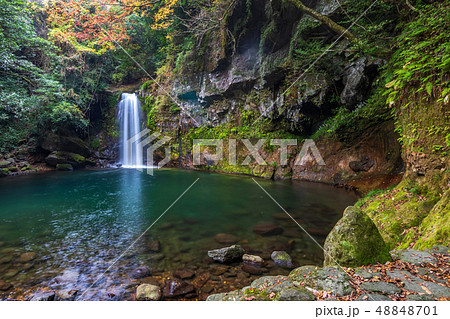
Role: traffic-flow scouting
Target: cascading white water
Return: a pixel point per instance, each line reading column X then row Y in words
column 130, row 126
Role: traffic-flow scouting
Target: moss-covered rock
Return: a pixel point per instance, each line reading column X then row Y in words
column 76, row 160
column 355, row 241
column 4, row 164
column 435, row 228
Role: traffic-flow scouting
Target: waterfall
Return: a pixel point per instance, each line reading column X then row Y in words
column 130, row 125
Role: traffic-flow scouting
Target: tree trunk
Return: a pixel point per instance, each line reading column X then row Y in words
column 325, row 20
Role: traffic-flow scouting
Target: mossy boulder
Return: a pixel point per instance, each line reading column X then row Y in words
column 3, row 172
column 435, row 228
column 355, row 241
column 71, row 144
column 76, row 160
column 4, row 164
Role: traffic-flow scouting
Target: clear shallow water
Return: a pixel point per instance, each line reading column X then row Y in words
column 79, row 222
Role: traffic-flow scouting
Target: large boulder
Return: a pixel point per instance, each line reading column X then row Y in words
column 227, row 254
column 76, row 160
column 355, row 241
column 71, row 144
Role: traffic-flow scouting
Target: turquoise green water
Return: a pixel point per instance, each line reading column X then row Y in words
column 81, row 221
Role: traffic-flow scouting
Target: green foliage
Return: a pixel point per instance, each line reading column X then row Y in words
column 347, row 122
column 421, row 64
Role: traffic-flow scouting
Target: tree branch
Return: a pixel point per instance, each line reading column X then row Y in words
column 325, row 20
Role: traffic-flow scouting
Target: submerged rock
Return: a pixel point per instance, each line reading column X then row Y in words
column 43, row 296
column 154, row 246
column 66, row 294
column 26, row 257
column 5, row 285
column 147, row 292
column 355, row 241
column 282, row 259
column 267, row 229
column 252, row 269
column 140, row 272
column 184, row 274
column 227, row 254
column 226, row 239
column 177, row 287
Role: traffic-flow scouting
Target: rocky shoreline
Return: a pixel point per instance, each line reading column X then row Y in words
column 413, row 276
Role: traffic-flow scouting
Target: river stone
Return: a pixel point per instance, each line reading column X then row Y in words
column 4, row 164
column 43, row 296
column 415, row 257
column 6, row 259
column 154, row 246
column 373, row 297
column 252, row 259
column 295, row 294
column 330, row 279
column 140, row 272
column 381, row 287
column 184, row 274
column 147, row 292
column 227, row 254
column 418, row 285
column 5, row 285
column 176, row 287
column 300, row 273
column 11, row 273
column 282, row 259
column 226, row 239
column 267, row 229
column 26, row 257
column 67, row 277
column 355, row 241
column 252, row 269
column 66, row 294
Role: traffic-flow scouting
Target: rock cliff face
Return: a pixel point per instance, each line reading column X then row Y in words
column 250, row 69
column 256, row 71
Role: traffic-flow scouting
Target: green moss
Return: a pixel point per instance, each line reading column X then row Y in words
column 399, row 211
